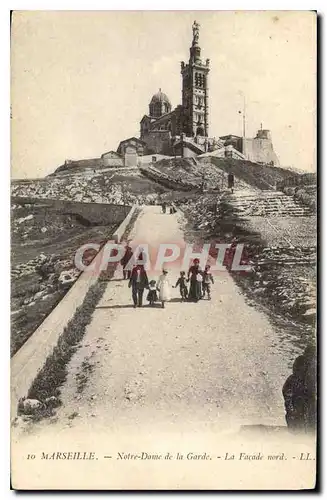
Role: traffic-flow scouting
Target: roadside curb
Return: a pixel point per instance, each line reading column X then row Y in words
column 122, row 228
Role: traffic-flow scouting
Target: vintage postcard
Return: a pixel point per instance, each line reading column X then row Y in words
column 163, row 254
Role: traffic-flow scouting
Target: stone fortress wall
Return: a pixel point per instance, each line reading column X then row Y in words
column 260, row 148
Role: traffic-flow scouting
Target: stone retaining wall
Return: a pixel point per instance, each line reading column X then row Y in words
column 96, row 213
column 167, row 181
column 118, row 234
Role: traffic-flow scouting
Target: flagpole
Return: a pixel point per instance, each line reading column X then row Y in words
column 243, row 115
column 243, row 121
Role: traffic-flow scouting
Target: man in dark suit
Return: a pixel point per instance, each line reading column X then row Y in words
column 125, row 260
column 138, row 282
column 231, row 182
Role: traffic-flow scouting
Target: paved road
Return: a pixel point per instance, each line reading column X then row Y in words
column 216, row 364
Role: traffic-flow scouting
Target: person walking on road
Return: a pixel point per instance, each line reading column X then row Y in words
column 163, row 287
column 138, row 282
column 124, row 261
column 231, row 182
column 194, row 275
column 199, row 279
column 207, row 280
column 181, row 282
column 152, row 295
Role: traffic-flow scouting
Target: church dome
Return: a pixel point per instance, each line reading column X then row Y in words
column 159, row 105
column 160, row 97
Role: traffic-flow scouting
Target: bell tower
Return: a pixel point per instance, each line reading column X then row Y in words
column 195, row 90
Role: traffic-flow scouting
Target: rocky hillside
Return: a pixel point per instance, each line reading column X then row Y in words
column 120, row 187
column 45, row 237
column 45, row 234
column 147, row 184
column 252, row 174
column 189, row 174
column 210, row 173
column 281, row 250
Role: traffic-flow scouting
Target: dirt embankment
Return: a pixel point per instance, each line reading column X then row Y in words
column 282, row 279
column 45, row 237
column 187, row 174
column 107, row 187
column 210, row 173
column 253, row 174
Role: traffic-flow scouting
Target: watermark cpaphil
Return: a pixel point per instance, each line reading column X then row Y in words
column 177, row 255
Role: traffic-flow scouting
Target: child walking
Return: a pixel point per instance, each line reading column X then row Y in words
column 206, row 284
column 163, row 287
column 181, row 282
column 152, row 295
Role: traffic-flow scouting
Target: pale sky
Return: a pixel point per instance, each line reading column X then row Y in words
column 81, row 81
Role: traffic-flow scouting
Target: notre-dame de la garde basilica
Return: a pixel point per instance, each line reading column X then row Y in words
column 163, row 128
column 184, row 130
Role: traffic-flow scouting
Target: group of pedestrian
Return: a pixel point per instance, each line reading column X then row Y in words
column 200, row 281
column 166, row 206
column 193, row 287
column 157, row 290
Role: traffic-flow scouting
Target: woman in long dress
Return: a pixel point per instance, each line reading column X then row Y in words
column 194, row 276
column 163, row 287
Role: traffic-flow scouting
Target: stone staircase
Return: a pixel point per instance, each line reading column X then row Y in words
column 244, row 204
column 191, row 144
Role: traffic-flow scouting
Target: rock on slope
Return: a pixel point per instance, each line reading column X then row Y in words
column 116, row 188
